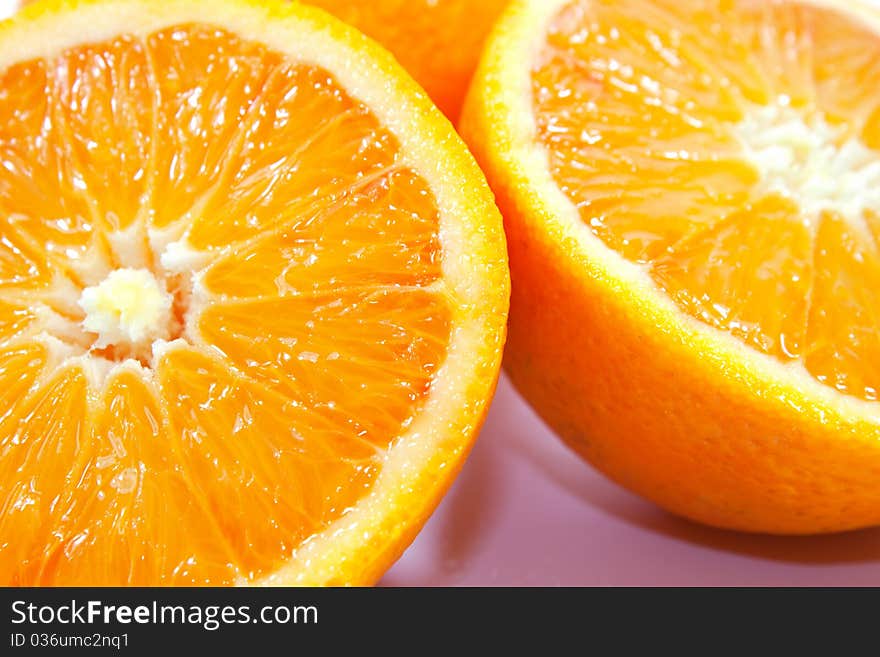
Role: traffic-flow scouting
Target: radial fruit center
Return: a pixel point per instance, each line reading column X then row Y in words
column 815, row 163
column 128, row 311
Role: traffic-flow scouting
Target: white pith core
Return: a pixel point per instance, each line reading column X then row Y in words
column 810, row 160
column 122, row 307
column 128, row 311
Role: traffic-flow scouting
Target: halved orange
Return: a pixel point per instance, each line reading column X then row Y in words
column 438, row 41
column 690, row 189
column 253, row 292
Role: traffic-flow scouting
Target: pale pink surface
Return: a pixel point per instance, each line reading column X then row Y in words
column 526, row 511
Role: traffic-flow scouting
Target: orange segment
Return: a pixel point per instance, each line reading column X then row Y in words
column 14, row 318
column 41, row 197
column 263, row 469
column 103, row 96
column 726, row 274
column 845, row 66
column 383, row 234
column 307, row 147
column 44, row 455
column 20, row 261
column 141, row 518
column 327, row 351
column 205, row 82
column 253, row 297
column 842, row 341
column 19, row 368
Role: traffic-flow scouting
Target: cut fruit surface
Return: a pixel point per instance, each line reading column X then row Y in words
column 252, row 297
column 723, row 176
column 705, row 174
column 438, row 41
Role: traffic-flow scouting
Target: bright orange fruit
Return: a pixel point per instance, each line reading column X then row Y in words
column 690, row 192
column 438, row 41
column 252, row 297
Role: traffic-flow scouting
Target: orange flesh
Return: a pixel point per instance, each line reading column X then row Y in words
column 318, row 326
column 641, row 106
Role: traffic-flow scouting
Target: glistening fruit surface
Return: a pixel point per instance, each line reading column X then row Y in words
column 224, row 298
column 728, row 149
column 689, row 195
